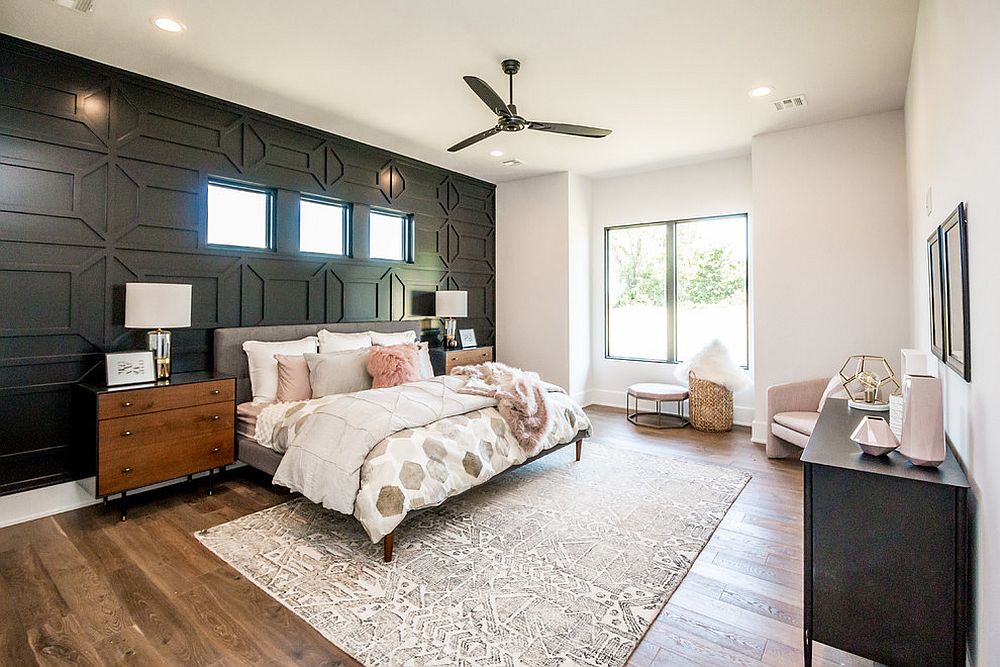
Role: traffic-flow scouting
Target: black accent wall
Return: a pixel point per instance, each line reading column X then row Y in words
column 103, row 178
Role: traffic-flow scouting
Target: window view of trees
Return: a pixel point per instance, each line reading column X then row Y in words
column 695, row 269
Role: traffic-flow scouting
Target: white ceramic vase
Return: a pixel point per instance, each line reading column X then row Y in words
column 922, row 434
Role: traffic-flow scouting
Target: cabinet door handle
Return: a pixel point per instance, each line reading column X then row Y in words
column 126, row 471
column 215, row 392
column 126, row 434
column 215, row 418
column 216, row 450
column 127, row 404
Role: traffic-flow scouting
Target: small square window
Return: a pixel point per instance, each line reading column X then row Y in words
column 388, row 236
column 322, row 227
column 239, row 215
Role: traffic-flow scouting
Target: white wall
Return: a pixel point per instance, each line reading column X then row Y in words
column 533, row 275
column 953, row 148
column 580, row 326
column 831, row 266
column 690, row 191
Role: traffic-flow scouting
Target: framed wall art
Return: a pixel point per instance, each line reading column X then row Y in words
column 935, row 264
column 955, row 274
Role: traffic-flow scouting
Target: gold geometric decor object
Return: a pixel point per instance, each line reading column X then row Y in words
column 868, row 375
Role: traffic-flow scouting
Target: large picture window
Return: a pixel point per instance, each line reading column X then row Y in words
column 671, row 287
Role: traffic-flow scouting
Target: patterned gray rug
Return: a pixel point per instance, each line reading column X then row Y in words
column 557, row 563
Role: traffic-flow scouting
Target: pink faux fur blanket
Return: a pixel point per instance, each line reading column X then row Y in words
column 520, row 395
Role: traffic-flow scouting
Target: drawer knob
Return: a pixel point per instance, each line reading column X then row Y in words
column 127, row 404
column 126, row 471
column 215, row 392
column 126, row 434
column 215, row 418
column 216, row 450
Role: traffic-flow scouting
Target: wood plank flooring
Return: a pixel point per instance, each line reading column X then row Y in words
column 84, row 588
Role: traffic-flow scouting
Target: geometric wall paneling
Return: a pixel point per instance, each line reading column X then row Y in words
column 470, row 248
column 290, row 292
column 48, row 100
column 366, row 292
column 413, row 293
column 156, row 206
column 103, row 178
column 390, row 181
column 430, row 242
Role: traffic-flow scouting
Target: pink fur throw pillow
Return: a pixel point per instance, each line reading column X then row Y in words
column 394, row 365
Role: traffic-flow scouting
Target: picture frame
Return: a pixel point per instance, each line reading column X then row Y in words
column 123, row 368
column 935, row 293
column 467, row 338
column 955, row 301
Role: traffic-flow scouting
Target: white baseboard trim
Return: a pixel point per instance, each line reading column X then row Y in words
column 742, row 415
column 49, row 500
column 758, row 432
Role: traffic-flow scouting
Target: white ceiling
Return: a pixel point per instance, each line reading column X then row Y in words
column 670, row 77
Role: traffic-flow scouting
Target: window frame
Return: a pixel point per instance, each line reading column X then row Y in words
column 408, row 239
column 671, row 285
column 346, row 217
column 271, row 209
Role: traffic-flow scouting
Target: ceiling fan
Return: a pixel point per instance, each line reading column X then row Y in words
column 508, row 119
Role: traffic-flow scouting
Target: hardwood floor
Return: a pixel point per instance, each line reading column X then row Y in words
column 84, row 588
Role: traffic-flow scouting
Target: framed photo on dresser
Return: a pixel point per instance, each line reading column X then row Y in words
column 467, row 338
column 129, row 367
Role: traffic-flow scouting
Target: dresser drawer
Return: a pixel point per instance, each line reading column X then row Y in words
column 153, row 399
column 124, row 468
column 455, row 358
column 166, row 425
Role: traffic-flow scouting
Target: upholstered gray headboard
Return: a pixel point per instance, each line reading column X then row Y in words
column 231, row 360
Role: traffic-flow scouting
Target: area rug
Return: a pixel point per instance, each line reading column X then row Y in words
column 557, row 563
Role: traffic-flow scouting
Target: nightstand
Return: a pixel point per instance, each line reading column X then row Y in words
column 142, row 435
column 458, row 357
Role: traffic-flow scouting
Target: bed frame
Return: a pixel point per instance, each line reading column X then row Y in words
column 232, row 361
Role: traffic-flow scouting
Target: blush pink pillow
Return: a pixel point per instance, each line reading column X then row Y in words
column 394, row 365
column 293, row 378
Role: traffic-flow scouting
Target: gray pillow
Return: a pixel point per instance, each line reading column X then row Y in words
column 338, row 372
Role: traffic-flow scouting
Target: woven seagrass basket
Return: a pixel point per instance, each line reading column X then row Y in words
column 711, row 405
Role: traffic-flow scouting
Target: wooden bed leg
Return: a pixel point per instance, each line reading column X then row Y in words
column 579, row 449
column 387, row 547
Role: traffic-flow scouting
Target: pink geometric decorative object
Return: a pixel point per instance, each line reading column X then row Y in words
column 922, row 438
column 874, row 436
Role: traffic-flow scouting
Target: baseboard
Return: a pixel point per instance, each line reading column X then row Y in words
column 742, row 415
column 758, row 432
column 49, row 500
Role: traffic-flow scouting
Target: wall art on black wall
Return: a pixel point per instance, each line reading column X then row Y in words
column 103, row 181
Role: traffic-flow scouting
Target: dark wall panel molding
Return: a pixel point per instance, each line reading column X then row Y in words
column 103, row 180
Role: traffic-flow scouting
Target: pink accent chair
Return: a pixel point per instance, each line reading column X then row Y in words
column 792, row 411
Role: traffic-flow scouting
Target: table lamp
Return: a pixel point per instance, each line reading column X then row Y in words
column 449, row 304
column 156, row 306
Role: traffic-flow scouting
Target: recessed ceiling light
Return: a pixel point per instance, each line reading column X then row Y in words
column 496, row 153
column 760, row 91
column 169, row 25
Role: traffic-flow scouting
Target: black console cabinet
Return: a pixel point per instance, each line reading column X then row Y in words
column 886, row 550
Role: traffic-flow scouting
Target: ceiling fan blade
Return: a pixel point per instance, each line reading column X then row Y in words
column 473, row 139
column 565, row 128
column 488, row 95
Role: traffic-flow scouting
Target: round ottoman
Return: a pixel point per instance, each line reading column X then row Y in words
column 657, row 393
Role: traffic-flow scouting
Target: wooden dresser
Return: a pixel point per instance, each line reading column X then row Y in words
column 137, row 436
column 886, row 550
column 458, row 357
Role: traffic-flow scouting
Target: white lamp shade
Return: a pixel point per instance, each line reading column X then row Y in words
column 451, row 303
column 157, row 306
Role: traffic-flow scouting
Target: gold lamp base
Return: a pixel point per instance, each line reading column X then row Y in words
column 159, row 343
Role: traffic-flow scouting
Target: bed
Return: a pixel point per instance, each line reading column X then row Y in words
column 383, row 460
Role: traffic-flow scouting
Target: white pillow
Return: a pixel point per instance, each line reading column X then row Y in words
column 264, row 367
column 400, row 338
column 834, row 389
column 331, row 341
column 426, row 368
